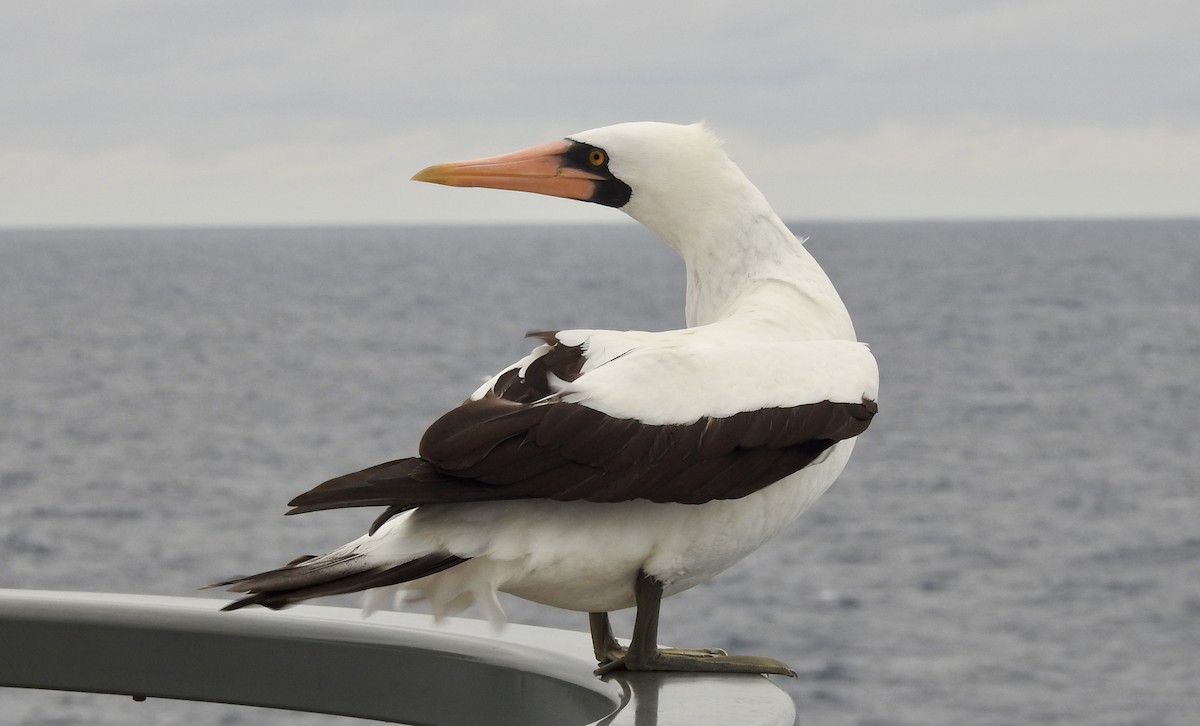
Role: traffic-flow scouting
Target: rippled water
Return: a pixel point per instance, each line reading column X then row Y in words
column 1017, row 539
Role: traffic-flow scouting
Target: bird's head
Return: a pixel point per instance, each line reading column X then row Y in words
column 660, row 174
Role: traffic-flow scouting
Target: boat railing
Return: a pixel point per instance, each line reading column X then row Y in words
column 394, row 667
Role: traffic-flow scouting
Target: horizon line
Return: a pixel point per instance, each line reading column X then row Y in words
column 791, row 222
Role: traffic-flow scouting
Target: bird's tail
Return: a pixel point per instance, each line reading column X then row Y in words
column 342, row 571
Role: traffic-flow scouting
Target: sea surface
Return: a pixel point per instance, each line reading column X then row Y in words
column 1015, row 541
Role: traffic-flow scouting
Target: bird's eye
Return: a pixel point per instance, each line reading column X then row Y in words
column 596, row 157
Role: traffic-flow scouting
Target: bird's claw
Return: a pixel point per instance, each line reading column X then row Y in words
column 695, row 660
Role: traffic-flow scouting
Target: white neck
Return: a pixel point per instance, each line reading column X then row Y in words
column 745, row 267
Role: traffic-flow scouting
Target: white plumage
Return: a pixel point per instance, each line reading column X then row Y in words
column 768, row 367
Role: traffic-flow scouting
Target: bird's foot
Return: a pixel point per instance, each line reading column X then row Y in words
column 611, row 654
column 616, row 653
column 693, row 660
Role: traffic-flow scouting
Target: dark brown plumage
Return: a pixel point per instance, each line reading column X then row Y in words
column 301, row 580
column 520, row 441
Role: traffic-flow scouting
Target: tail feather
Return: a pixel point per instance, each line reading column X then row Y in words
column 331, row 575
column 399, row 485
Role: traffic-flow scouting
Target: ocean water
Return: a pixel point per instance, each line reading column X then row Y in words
column 1015, row 541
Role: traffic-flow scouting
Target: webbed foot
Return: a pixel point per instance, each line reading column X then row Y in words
column 643, row 653
column 695, row 660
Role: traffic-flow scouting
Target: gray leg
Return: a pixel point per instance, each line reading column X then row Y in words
column 644, row 654
column 604, row 644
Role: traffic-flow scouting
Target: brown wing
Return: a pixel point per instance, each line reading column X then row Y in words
column 518, row 442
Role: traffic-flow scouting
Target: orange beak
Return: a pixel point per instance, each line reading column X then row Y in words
column 539, row 169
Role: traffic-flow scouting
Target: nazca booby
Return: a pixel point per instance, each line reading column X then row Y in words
column 610, row 469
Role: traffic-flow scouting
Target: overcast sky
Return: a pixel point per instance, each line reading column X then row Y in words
column 146, row 112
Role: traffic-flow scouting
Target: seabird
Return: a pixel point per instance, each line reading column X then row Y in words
column 609, row 469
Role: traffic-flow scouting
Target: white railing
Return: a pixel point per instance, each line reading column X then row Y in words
column 394, row 667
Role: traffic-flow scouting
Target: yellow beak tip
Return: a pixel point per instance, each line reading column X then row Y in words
column 428, row 174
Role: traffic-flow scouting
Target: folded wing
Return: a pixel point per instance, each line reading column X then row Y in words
column 608, row 417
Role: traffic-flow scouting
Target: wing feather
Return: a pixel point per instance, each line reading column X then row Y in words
column 552, row 427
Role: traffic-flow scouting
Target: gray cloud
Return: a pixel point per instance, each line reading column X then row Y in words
column 165, row 101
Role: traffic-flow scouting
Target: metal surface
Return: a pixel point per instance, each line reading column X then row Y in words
column 393, row 667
